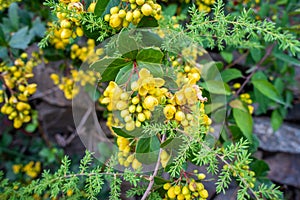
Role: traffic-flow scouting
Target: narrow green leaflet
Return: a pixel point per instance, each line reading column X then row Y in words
column 286, row 58
column 109, row 67
column 267, row 89
column 127, row 45
column 121, row 133
column 151, row 55
column 230, row 74
column 20, row 39
column 276, row 120
column 216, row 87
column 244, row 121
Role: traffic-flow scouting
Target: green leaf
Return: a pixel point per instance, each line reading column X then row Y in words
column 148, row 21
column 216, row 87
column 160, row 181
column 20, row 39
column 244, row 121
column 101, row 7
column 121, row 133
column 276, row 120
column 13, row 16
column 227, row 56
column 256, row 54
column 2, row 38
column 279, row 85
column 127, row 45
column 230, row 74
column 262, row 101
column 236, row 103
column 109, row 67
column 286, row 58
column 31, row 127
column 147, row 149
column 124, row 74
column 38, row 28
column 150, row 54
column 6, row 140
column 260, row 168
column 149, row 144
column 170, row 83
column 170, row 10
column 267, row 89
column 155, row 68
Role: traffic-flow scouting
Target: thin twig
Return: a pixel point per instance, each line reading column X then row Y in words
column 155, row 171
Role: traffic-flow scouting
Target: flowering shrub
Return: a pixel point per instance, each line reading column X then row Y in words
column 163, row 95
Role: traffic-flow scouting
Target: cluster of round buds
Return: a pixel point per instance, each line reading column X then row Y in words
column 70, row 85
column 16, row 89
column 182, row 107
column 125, row 157
column 69, row 15
column 245, row 97
column 192, row 189
column 132, row 11
column 86, row 53
column 135, row 106
column 242, row 171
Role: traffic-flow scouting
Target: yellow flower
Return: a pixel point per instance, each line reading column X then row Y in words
column 17, row 168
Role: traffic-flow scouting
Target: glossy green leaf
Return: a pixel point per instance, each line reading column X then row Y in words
column 230, row 74
column 276, row 120
column 244, row 121
column 101, row 7
column 236, row 103
column 260, row 168
column 149, row 144
column 124, row 74
column 267, row 89
column 109, row 67
column 150, row 55
column 160, row 181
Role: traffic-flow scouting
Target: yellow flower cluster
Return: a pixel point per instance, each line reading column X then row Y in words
column 6, row 3
column 69, row 16
column 135, row 106
column 16, row 89
column 191, row 190
column 86, row 53
column 164, row 158
column 125, row 157
column 71, row 85
column 146, row 93
column 205, row 5
column 245, row 97
column 32, row 169
column 132, row 12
